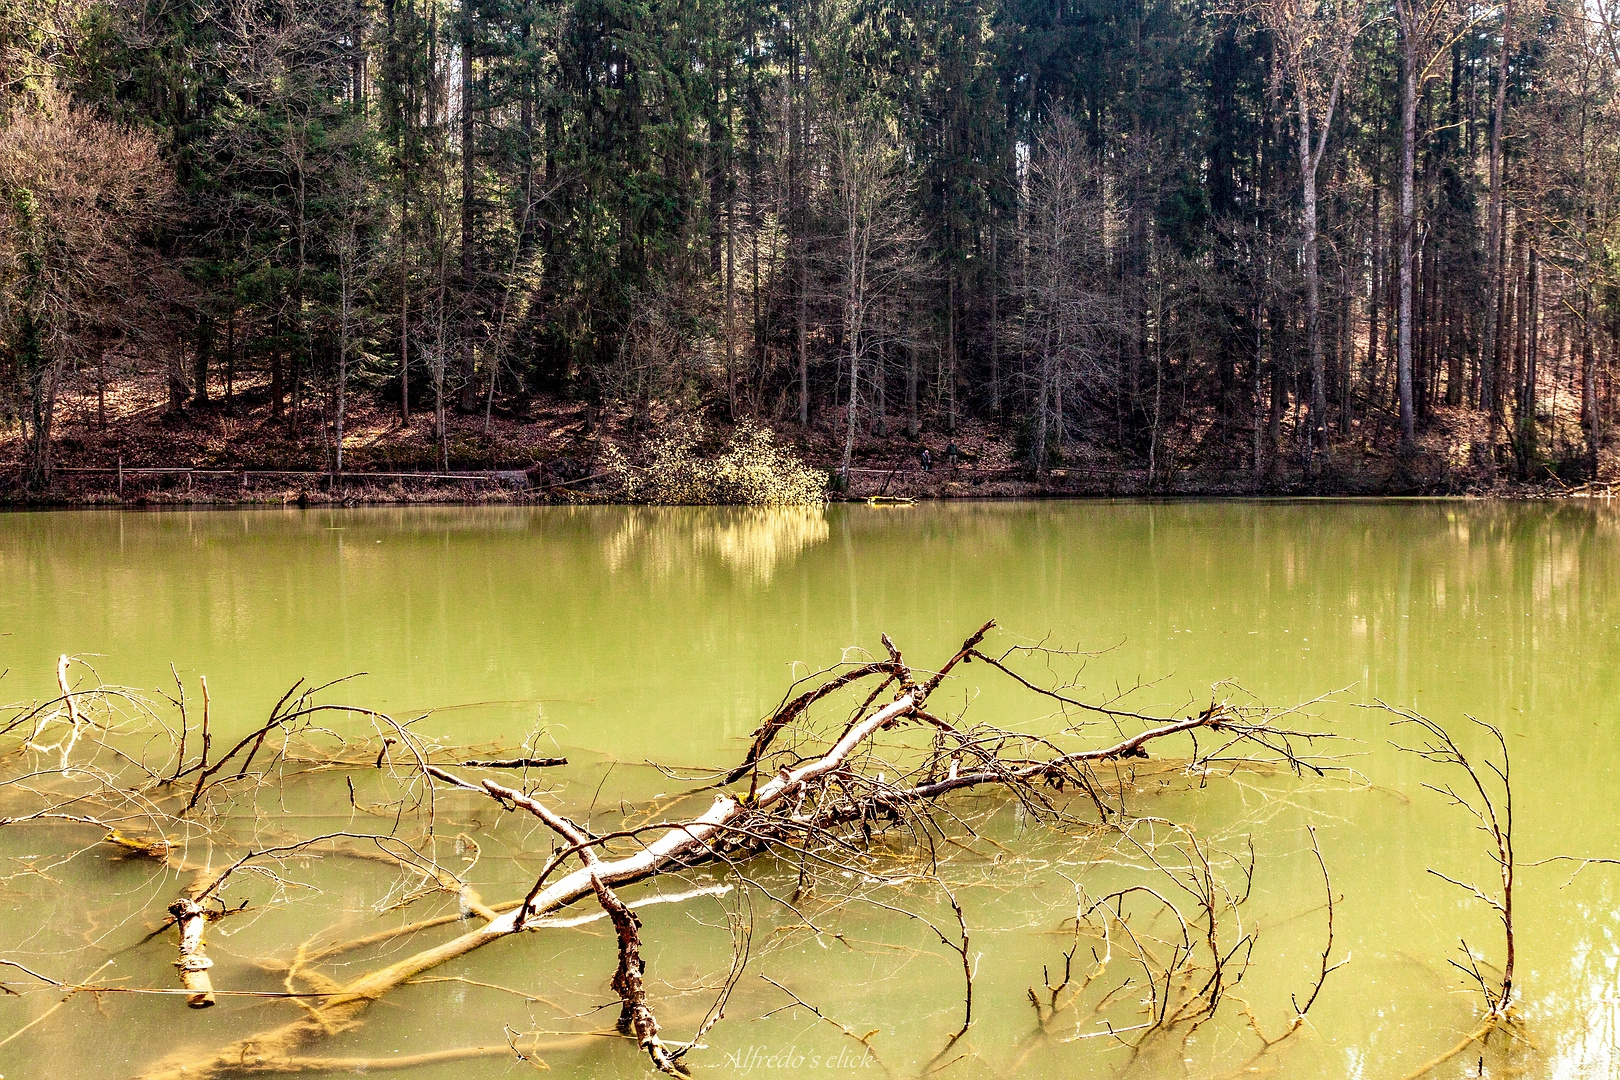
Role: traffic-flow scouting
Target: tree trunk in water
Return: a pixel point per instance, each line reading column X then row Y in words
column 192, row 919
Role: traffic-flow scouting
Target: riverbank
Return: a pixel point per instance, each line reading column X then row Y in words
column 129, row 449
column 183, row 486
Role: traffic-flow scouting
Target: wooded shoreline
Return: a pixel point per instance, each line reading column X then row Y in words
column 135, row 451
column 159, row 488
column 1350, row 247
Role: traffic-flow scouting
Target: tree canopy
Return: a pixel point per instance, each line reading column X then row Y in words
column 1261, row 230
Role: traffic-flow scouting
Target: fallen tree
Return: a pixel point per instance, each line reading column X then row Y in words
column 829, row 802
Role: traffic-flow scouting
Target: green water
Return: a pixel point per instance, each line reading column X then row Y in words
column 631, row 634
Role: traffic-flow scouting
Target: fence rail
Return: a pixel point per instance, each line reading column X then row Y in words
column 121, row 471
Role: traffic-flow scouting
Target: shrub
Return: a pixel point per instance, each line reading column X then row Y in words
column 752, row 470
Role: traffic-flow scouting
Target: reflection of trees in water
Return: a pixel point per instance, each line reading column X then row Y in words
column 1582, row 1003
column 750, row 540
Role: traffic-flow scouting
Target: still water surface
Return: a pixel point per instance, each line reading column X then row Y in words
column 631, row 634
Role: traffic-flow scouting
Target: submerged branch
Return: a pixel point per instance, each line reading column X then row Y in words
column 821, row 804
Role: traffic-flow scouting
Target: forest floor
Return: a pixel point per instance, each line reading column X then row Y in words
column 131, row 450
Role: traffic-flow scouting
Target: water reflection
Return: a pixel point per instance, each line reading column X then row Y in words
column 665, row 633
column 751, row 541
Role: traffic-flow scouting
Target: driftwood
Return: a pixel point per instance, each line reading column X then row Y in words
column 191, row 919
column 636, row 1017
column 821, row 801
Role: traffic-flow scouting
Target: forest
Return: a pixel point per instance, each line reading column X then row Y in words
column 1295, row 241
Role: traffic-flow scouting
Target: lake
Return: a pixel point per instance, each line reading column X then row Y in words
column 622, row 636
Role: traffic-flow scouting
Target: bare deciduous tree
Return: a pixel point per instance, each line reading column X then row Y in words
column 1314, row 42
column 876, row 247
column 78, row 197
column 1069, row 308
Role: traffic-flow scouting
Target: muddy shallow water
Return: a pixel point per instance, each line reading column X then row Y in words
column 629, row 635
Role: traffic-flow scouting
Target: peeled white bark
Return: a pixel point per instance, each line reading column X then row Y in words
column 192, row 920
column 341, row 1009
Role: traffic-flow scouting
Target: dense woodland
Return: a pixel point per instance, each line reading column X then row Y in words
column 1162, row 230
